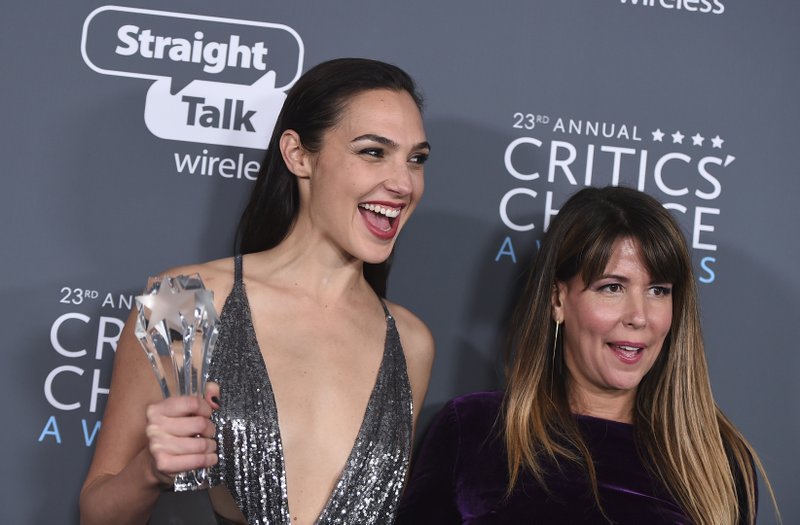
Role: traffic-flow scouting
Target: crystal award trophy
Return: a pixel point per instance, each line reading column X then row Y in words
column 177, row 327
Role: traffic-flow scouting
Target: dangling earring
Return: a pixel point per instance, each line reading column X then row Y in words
column 555, row 345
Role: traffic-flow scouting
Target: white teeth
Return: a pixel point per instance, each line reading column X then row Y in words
column 629, row 348
column 389, row 212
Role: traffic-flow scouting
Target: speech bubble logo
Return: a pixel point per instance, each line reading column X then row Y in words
column 215, row 113
column 144, row 43
column 217, row 80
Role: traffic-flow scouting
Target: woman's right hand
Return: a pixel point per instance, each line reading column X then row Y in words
column 180, row 434
column 145, row 440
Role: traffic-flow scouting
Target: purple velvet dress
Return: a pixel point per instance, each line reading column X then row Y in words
column 460, row 476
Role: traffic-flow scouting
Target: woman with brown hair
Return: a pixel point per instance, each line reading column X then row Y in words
column 608, row 415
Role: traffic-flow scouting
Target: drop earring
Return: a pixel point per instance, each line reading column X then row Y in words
column 555, row 344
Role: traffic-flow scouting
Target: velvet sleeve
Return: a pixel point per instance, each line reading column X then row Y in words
column 429, row 498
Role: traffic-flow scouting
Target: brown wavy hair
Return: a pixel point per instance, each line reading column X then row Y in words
column 681, row 434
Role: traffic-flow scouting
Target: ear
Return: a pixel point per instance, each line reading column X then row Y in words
column 557, row 301
column 296, row 157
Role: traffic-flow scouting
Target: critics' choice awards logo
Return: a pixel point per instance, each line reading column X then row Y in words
column 216, row 80
column 83, row 336
column 715, row 7
column 555, row 156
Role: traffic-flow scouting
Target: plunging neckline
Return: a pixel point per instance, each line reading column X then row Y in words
column 271, row 396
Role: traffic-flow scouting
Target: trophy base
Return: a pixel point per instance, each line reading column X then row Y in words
column 191, row 480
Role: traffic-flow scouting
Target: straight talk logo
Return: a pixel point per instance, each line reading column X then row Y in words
column 213, row 80
column 715, row 7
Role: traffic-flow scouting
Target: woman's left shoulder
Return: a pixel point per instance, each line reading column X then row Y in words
column 414, row 333
column 418, row 347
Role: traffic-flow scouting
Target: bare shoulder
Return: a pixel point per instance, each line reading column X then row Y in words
column 214, row 273
column 418, row 347
column 217, row 276
column 414, row 333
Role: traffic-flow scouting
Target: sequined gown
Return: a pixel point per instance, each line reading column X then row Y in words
column 251, row 461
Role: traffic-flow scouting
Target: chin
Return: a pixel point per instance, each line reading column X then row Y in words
column 374, row 254
column 626, row 385
column 376, row 259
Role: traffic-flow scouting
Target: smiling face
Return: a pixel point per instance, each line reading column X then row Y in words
column 614, row 329
column 365, row 181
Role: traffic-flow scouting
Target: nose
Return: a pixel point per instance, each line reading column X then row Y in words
column 399, row 180
column 635, row 315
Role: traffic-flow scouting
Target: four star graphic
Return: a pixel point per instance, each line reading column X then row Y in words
column 677, row 138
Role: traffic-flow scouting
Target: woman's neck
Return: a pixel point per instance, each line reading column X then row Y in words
column 310, row 267
column 614, row 406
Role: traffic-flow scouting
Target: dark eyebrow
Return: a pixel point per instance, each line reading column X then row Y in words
column 377, row 138
column 625, row 279
column 614, row 276
column 388, row 142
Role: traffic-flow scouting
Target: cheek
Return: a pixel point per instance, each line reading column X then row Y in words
column 665, row 324
column 662, row 319
column 593, row 320
column 418, row 187
column 587, row 335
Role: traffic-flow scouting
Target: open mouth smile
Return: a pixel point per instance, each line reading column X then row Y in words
column 381, row 218
column 627, row 353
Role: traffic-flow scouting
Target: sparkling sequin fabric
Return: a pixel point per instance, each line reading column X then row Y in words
column 251, row 461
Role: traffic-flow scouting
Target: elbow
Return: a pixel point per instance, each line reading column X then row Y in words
column 86, row 505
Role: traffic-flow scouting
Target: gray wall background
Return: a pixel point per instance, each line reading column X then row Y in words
column 92, row 202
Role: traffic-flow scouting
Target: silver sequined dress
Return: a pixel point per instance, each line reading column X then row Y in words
column 251, row 462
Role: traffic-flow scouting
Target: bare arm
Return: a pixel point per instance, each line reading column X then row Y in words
column 144, row 440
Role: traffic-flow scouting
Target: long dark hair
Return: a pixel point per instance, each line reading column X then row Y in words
column 314, row 105
column 682, row 435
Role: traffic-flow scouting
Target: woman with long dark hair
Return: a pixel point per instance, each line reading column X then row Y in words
column 310, row 414
column 607, row 416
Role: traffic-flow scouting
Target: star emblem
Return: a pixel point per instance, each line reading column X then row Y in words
column 658, row 135
column 697, row 140
column 716, row 142
column 168, row 305
column 677, row 137
column 171, row 309
column 176, row 325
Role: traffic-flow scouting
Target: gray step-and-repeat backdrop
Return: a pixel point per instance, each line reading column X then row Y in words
column 131, row 135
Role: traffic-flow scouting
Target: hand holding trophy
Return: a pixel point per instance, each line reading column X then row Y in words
column 176, row 325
